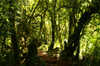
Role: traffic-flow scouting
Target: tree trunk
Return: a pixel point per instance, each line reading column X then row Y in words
column 60, row 40
column 53, row 32
column 74, row 43
column 78, row 47
column 71, row 27
column 72, row 22
column 75, row 37
column 31, row 58
column 53, row 22
column 84, row 20
column 14, row 39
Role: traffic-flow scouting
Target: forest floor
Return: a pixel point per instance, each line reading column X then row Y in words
column 51, row 60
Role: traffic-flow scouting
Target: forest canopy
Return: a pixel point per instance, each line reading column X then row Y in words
column 69, row 27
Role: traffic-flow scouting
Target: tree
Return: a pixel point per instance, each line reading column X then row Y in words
column 47, row 20
column 53, row 23
column 14, row 38
column 83, row 21
column 31, row 59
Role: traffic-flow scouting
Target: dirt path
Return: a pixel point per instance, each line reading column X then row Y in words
column 52, row 61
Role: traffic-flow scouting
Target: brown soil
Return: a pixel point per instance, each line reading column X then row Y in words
column 50, row 60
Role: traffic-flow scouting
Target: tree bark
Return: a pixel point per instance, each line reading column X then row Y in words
column 32, row 58
column 14, row 39
column 83, row 21
column 75, row 37
column 53, row 23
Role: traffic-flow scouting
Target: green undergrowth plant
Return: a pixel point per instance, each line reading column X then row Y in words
column 43, row 47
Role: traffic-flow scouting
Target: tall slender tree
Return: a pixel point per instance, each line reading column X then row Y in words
column 53, row 23
column 14, row 39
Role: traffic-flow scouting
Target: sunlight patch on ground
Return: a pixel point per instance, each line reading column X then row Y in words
column 44, row 53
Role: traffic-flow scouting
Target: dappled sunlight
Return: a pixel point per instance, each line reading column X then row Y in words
column 49, row 32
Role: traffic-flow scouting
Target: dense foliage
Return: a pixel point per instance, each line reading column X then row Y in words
column 29, row 25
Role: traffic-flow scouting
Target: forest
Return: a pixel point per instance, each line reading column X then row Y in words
column 49, row 32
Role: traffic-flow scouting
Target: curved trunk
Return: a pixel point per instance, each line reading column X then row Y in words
column 75, row 37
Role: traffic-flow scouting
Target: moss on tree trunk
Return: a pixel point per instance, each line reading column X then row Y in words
column 14, row 39
column 75, row 37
